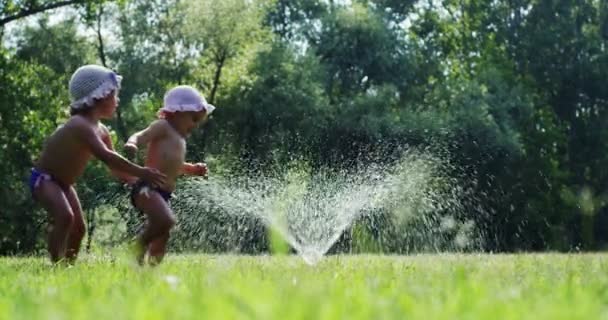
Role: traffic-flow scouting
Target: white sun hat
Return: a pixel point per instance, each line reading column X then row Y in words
column 185, row 98
column 92, row 82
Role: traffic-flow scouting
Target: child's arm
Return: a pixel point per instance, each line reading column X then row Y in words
column 154, row 131
column 195, row 169
column 117, row 173
column 112, row 159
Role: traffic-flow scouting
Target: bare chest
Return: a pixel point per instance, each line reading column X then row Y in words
column 170, row 151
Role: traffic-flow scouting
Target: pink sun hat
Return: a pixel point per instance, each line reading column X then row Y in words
column 185, row 98
column 90, row 83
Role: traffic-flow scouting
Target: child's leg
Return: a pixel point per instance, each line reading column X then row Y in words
column 157, row 249
column 78, row 229
column 54, row 201
column 160, row 219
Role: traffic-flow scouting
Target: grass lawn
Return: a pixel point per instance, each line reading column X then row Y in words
column 535, row 286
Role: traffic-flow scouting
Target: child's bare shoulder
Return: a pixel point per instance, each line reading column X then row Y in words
column 160, row 126
column 81, row 127
column 161, row 123
column 78, row 124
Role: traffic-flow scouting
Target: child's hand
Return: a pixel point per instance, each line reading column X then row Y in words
column 201, row 169
column 130, row 180
column 130, row 150
column 154, row 177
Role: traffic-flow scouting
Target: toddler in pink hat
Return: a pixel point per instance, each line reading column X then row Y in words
column 184, row 108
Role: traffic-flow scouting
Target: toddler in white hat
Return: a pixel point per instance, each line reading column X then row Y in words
column 68, row 150
column 92, row 83
column 184, row 108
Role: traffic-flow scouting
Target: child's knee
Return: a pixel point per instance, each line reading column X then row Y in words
column 63, row 220
column 166, row 224
column 170, row 222
column 78, row 229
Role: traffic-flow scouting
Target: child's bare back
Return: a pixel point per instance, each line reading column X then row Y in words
column 66, row 152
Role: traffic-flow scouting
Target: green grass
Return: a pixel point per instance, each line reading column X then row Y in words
column 543, row 286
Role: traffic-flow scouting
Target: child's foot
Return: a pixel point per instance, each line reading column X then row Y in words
column 69, row 261
column 61, row 263
column 154, row 261
column 138, row 250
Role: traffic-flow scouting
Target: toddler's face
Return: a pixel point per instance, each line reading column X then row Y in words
column 108, row 105
column 188, row 121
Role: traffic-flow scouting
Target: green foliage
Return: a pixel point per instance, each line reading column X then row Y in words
column 284, row 105
column 358, row 50
column 58, row 46
column 278, row 245
column 510, row 93
column 30, row 108
column 364, row 241
column 294, row 20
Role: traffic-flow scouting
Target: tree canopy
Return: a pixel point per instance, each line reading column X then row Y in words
column 511, row 91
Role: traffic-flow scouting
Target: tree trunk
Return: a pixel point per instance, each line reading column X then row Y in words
column 219, row 63
column 221, row 59
column 100, row 47
column 120, row 125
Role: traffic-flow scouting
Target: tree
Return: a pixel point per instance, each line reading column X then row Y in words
column 226, row 36
column 32, row 101
column 359, row 51
column 58, row 46
column 284, row 109
column 13, row 10
column 295, row 20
